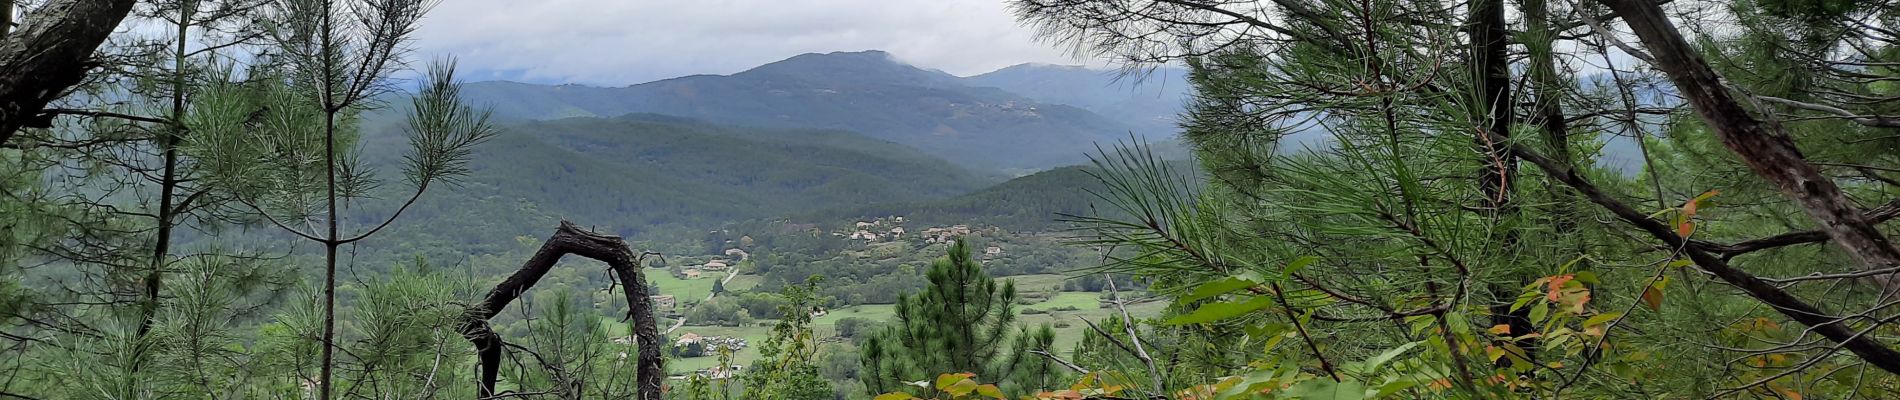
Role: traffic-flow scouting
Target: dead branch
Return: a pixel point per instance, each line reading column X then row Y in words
column 570, row 239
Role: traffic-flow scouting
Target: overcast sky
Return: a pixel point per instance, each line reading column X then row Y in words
column 622, row 42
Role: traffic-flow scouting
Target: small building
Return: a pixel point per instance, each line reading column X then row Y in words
column 686, row 339
column 737, row 254
column 664, row 302
column 726, row 372
column 691, row 273
column 863, row 235
column 865, row 224
column 897, row 232
column 992, row 251
column 715, row 265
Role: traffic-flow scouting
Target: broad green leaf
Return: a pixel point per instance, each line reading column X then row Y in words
column 945, row 380
column 990, row 391
column 1525, row 299
column 1373, row 363
column 894, row 396
column 1299, row 264
column 1588, row 277
column 1327, row 389
column 962, row 387
column 1393, row 387
column 1223, row 310
column 1215, row 288
column 1602, row 318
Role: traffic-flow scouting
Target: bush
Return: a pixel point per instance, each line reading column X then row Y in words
column 852, row 327
column 721, row 311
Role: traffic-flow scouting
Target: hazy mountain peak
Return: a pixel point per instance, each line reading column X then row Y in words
column 868, row 66
column 1040, row 66
column 1050, row 115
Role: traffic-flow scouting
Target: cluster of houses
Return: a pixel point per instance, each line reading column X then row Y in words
column 711, row 343
column 891, row 229
column 945, row 235
column 714, row 265
column 875, row 231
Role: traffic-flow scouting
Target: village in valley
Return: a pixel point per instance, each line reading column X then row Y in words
column 693, row 295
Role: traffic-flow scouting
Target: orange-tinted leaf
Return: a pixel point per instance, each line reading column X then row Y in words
column 1557, row 284
column 1501, row 329
column 1653, row 297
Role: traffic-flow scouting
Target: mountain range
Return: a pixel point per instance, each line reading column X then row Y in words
column 814, row 137
column 640, row 172
column 1018, row 119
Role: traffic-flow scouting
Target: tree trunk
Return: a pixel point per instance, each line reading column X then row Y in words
column 169, row 181
column 1767, row 149
column 570, row 239
column 52, row 53
column 1549, row 87
column 1491, row 70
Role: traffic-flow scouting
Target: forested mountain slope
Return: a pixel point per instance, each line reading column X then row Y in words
column 642, row 172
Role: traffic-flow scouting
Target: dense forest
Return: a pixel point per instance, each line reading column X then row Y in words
column 1260, row 199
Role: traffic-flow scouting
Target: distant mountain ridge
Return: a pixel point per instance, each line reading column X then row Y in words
column 1147, row 100
column 977, row 122
column 642, row 172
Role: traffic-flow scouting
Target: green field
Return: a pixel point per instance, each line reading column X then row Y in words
column 689, row 290
column 1037, row 282
column 1068, row 324
column 744, row 282
column 1079, row 301
column 1066, row 337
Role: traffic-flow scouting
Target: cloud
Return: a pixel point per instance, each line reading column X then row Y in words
column 622, row 42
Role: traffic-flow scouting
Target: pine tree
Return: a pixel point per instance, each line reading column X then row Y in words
column 961, row 322
column 297, row 168
column 787, row 368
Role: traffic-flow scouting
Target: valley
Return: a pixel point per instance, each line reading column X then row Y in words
column 949, row 200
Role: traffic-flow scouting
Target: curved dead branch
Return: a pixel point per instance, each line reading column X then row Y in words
column 571, row 239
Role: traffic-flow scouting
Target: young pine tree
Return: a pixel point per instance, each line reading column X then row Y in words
column 788, row 368
column 295, row 165
column 961, row 322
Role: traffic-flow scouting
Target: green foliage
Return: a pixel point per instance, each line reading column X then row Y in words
column 960, row 322
column 720, row 311
column 1418, row 253
column 655, row 176
column 853, row 327
column 788, row 367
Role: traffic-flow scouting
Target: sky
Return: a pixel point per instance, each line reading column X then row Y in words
column 624, row 42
